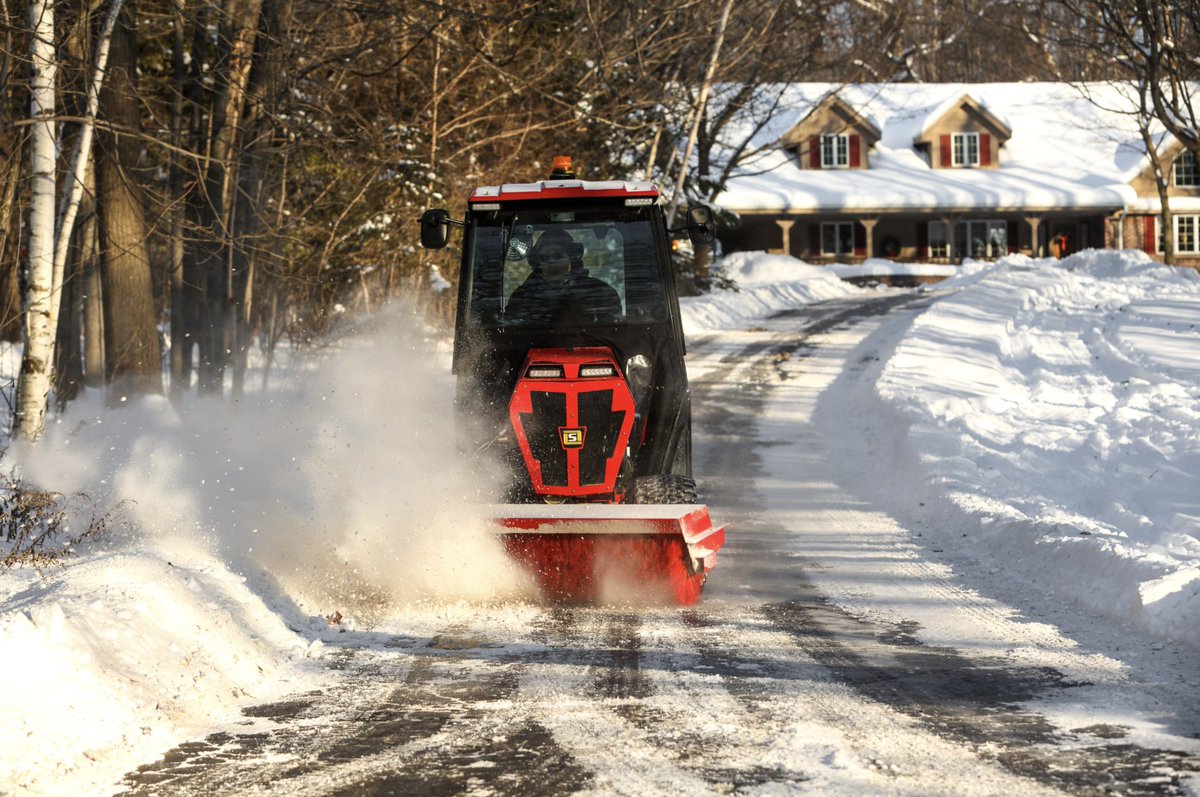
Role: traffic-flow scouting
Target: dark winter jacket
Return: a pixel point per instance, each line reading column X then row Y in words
column 578, row 299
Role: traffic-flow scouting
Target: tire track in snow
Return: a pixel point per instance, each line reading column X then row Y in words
column 591, row 692
column 439, row 718
column 802, row 719
column 980, row 704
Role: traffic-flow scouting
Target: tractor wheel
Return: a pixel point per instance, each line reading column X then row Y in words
column 669, row 488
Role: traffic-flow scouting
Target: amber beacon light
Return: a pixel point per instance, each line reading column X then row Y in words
column 562, row 168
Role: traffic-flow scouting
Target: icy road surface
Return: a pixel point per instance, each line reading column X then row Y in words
column 833, row 652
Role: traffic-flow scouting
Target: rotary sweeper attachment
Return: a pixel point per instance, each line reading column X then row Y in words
column 568, row 348
column 612, row 552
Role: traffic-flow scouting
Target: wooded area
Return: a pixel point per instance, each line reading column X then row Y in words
column 259, row 165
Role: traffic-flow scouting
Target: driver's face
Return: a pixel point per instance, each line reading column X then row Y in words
column 555, row 263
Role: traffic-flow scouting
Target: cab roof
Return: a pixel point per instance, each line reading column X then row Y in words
column 563, row 189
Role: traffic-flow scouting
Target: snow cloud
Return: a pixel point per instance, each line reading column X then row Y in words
column 343, row 484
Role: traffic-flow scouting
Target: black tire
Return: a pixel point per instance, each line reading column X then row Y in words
column 668, row 488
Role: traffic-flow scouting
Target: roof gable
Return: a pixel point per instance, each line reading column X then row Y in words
column 831, row 115
column 1145, row 184
column 962, row 113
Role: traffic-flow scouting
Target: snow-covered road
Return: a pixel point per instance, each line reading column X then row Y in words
column 839, row 647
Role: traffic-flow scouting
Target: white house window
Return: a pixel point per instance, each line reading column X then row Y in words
column 837, row 238
column 939, row 246
column 1186, row 173
column 980, row 239
column 1186, row 239
column 965, row 149
column 835, row 151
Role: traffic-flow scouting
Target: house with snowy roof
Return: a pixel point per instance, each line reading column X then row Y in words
column 943, row 172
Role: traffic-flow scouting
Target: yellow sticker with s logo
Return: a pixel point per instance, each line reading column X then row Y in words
column 572, row 438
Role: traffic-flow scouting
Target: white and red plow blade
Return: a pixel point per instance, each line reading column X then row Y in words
column 592, row 552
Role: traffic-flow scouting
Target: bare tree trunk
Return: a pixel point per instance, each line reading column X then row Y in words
column 198, row 215
column 262, row 91
column 1162, row 176
column 33, row 386
column 132, row 359
column 272, row 337
column 93, row 319
column 215, row 256
column 10, row 293
column 1162, row 182
column 181, row 342
column 11, row 158
column 68, row 354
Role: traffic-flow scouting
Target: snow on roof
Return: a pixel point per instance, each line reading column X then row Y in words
column 953, row 101
column 1066, row 151
column 836, row 94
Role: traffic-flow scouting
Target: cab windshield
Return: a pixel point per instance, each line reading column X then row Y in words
column 565, row 267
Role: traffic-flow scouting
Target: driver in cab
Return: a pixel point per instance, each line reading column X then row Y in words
column 559, row 289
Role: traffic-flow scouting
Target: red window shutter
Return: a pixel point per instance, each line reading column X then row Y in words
column 1151, row 243
column 855, row 151
column 814, row 153
column 814, row 240
column 860, row 240
column 947, row 158
column 985, row 150
column 923, row 239
column 1013, row 237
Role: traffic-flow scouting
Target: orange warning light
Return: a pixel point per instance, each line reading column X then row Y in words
column 562, row 168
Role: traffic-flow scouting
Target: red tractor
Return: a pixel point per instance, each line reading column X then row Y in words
column 568, row 353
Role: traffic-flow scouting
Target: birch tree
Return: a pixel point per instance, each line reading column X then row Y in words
column 33, row 385
column 50, row 227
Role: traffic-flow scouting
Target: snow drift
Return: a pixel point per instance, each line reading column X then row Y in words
column 345, row 486
column 1055, row 409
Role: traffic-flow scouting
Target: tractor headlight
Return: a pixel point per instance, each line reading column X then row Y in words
column 598, row 371
column 544, row 372
column 637, row 371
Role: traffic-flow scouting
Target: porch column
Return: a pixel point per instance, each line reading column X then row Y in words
column 950, row 222
column 785, row 227
column 869, row 225
column 1034, row 223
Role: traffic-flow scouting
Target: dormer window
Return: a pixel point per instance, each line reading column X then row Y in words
column 950, row 147
column 835, row 151
column 965, row 148
column 815, row 147
column 1186, row 173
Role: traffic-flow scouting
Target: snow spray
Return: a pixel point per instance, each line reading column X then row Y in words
column 343, row 484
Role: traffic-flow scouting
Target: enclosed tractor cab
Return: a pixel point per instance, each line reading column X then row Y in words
column 569, row 358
